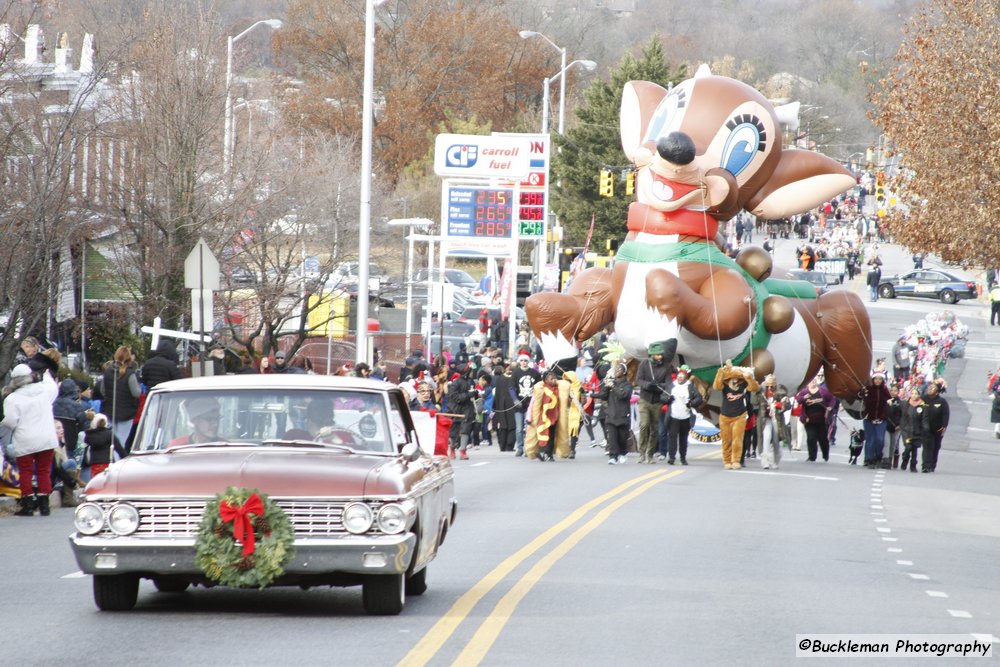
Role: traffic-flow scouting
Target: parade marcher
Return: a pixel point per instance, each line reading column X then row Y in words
column 120, row 391
column 937, row 423
column 101, row 441
column 914, row 427
column 161, row 366
column 653, row 380
column 684, row 397
column 768, row 402
column 894, row 414
column 543, row 418
column 616, row 393
column 902, row 359
column 817, row 402
column 525, row 378
column 734, row 382
column 505, row 403
column 874, row 414
column 27, row 415
column 461, row 394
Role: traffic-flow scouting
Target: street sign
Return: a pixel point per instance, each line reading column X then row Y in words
column 201, row 268
column 481, row 156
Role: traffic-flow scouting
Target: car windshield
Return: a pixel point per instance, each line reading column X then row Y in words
column 360, row 420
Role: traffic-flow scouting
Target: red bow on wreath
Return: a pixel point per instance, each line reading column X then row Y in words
column 239, row 516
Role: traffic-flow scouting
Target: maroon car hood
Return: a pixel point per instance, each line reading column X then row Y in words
column 274, row 471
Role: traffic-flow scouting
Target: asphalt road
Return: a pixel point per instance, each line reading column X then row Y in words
column 580, row 563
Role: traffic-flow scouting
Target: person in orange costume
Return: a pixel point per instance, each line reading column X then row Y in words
column 734, row 382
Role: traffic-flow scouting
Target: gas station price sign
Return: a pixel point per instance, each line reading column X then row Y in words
column 531, row 213
column 480, row 212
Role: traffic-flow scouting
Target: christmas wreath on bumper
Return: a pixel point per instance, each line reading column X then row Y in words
column 244, row 539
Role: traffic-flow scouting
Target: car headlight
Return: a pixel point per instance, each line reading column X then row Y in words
column 357, row 518
column 123, row 519
column 393, row 518
column 88, row 519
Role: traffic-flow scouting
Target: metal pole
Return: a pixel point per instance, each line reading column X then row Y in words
column 201, row 306
column 409, row 293
column 430, row 300
column 562, row 89
column 83, row 303
column 364, row 241
column 545, row 106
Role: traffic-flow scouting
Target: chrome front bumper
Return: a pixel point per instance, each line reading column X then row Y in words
column 386, row 554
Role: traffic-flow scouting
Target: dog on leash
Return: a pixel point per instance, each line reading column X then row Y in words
column 857, row 444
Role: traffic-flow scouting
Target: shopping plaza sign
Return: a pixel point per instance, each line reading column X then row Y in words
column 482, row 156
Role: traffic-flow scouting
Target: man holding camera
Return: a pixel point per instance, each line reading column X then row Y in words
column 654, row 379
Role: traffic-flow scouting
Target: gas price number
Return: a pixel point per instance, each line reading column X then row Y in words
column 531, row 213
column 480, row 212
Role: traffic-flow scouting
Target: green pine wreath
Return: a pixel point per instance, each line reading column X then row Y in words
column 220, row 556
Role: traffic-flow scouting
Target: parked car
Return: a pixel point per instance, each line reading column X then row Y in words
column 453, row 276
column 928, row 284
column 338, row 465
column 819, row 280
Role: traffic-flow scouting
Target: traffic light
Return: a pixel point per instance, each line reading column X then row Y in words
column 630, row 183
column 607, row 183
column 880, row 192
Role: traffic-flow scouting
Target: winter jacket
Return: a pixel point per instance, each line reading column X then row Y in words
column 938, row 412
column 28, row 414
column 161, row 366
column 876, row 402
column 100, row 440
column 894, row 414
column 915, row 422
column 654, row 381
column 68, row 404
column 618, row 402
column 504, row 401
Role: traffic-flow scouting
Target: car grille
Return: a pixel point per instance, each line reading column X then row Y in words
column 176, row 518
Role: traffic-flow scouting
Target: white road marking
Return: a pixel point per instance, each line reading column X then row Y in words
column 74, row 575
column 904, row 562
column 921, row 577
column 880, row 520
column 993, row 639
column 890, row 539
column 937, row 594
column 959, row 613
column 878, row 507
column 883, row 530
column 894, row 550
column 774, row 473
column 476, row 465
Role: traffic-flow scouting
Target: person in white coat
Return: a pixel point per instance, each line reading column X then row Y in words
column 27, row 410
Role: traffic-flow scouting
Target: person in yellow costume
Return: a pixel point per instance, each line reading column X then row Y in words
column 735, row 383
column 554, row 416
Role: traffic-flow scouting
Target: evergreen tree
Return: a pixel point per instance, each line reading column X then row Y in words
column 595, row 144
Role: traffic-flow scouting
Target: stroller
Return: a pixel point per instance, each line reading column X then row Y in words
column 856, row 445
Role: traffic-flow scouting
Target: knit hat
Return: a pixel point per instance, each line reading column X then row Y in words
column 20, row 371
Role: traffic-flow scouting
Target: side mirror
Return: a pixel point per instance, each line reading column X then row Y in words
column 410, row 452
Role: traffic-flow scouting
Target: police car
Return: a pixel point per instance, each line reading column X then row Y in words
column 928, row 283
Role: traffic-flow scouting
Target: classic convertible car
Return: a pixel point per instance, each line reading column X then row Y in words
column 268, row 480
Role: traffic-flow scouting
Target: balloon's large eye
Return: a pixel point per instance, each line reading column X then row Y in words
column 667, row 115
column 746, row 138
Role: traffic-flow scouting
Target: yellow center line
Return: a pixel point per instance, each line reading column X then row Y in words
column 439, row 633
column 477, row 648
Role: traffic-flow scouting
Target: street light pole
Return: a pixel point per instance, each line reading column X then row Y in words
column 227, row 139
column 365, row 213
column 588, row 65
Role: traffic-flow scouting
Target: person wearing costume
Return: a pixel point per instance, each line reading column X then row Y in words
column 734, row 382
column 554, row 416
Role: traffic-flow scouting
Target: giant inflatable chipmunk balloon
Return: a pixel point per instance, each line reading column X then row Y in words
column 703, row 151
